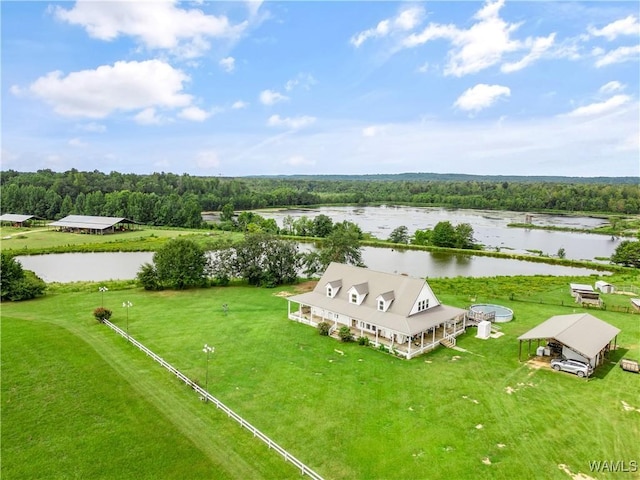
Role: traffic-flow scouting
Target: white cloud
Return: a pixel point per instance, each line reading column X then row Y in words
column 538, row 47
column 611, row 87
column 271, row 97
column 371, row 131
column 194, row 114
column 161, row 25
column 76, row 142
column 207, row 159
column 148, row 117
column 239, row 104
column 624, row 26
column 406, row 20
column 298, row 161
column 93, row 127
column 618, row 55
column 600, row 108
column 481, row 96
column 125, row 86
column 293, row 123
column 424, row 68
column 304, row 80
column 483, row 44
column 228, row 64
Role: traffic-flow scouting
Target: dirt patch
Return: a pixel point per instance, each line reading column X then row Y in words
column 305, row 286
column 574, row 476
column 538, row 362
column 283, row 294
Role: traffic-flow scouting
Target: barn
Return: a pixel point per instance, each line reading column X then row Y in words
column 16, row 220
column 579, row 336
column 92, row 224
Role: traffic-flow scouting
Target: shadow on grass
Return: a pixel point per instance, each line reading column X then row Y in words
column 613, row 361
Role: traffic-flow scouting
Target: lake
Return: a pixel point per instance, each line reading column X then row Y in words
column 490, row 227
column 96, row 267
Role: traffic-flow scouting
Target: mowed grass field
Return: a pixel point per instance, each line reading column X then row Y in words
column 78, row 401
column 143, row 238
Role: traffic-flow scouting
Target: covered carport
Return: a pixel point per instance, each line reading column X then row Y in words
column 582, row 336
column 17, row 220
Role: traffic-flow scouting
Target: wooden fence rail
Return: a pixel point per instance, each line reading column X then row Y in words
column 304, row 470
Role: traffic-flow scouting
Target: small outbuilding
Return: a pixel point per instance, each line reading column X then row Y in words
column 605, row 287
column 92, row 224
column 582, row 337
column 585, row 294
column 635, row 303
column 16, row 220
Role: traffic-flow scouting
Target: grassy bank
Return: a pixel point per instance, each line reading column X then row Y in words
column 477, row 413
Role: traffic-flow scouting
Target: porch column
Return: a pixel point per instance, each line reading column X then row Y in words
column 422, row 340
column 377, row 337
column 434, row 335
column 409, row 347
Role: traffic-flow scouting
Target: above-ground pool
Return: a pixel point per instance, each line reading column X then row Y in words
column 502, row 314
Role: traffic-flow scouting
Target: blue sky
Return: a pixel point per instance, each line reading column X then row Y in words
column 259, row 88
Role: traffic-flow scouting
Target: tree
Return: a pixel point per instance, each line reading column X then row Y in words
column 463, row 236
column 148, row 277
column 342, row 245
column 322, row 226
column 443, row 235
column 399, row 235
column 17, row 284
column 181, row 263
column 345, row 334
column 562, row 253
column 262, row 259
column 627, row 254
column 421, row 237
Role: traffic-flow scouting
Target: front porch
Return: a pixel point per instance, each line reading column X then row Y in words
column 394, row 342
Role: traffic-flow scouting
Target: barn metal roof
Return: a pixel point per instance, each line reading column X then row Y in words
column 88, row 221
column 14, row 217
column 582, row 332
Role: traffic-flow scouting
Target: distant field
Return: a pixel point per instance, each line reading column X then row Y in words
column 360, row 414
column 41, row 239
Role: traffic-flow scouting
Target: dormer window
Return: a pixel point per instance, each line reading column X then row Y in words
column 358, row 293
column 333, row 287
column 384, row 301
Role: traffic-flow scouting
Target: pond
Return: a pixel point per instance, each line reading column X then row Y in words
column 96, row 267
column 490, row 227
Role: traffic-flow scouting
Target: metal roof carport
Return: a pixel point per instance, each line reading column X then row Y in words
column 16, row 218
column 91, row 224
column 581, row 332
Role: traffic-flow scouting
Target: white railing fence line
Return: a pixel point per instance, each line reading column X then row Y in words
column 305, row 470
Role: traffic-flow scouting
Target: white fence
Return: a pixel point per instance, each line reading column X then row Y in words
column 207, row 396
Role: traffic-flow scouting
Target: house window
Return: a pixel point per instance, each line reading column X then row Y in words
column 354, row 298
column 381, row 305
column 423, row 305
column 329, row 292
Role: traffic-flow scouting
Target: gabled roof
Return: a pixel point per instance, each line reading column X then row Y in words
column 361, row 289
column 88, row 221
column 335, row 284
column 405, row 291
column 14, row 217
column 387, row 296
column 581, row 287
column 582, row 332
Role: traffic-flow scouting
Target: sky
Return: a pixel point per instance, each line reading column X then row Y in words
column 242, row 88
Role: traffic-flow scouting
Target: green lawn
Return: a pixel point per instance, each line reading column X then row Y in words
column 363, row 414
column 43, row 240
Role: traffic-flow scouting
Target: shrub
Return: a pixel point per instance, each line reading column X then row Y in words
column 323, row 328
column 363, row 341
column 148, row 277
column 345, row 334
column 382, row 348
column 101, row 314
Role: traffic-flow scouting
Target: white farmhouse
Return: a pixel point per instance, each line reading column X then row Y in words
column 397, row 311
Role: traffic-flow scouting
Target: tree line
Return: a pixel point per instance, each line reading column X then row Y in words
column 177, row 200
